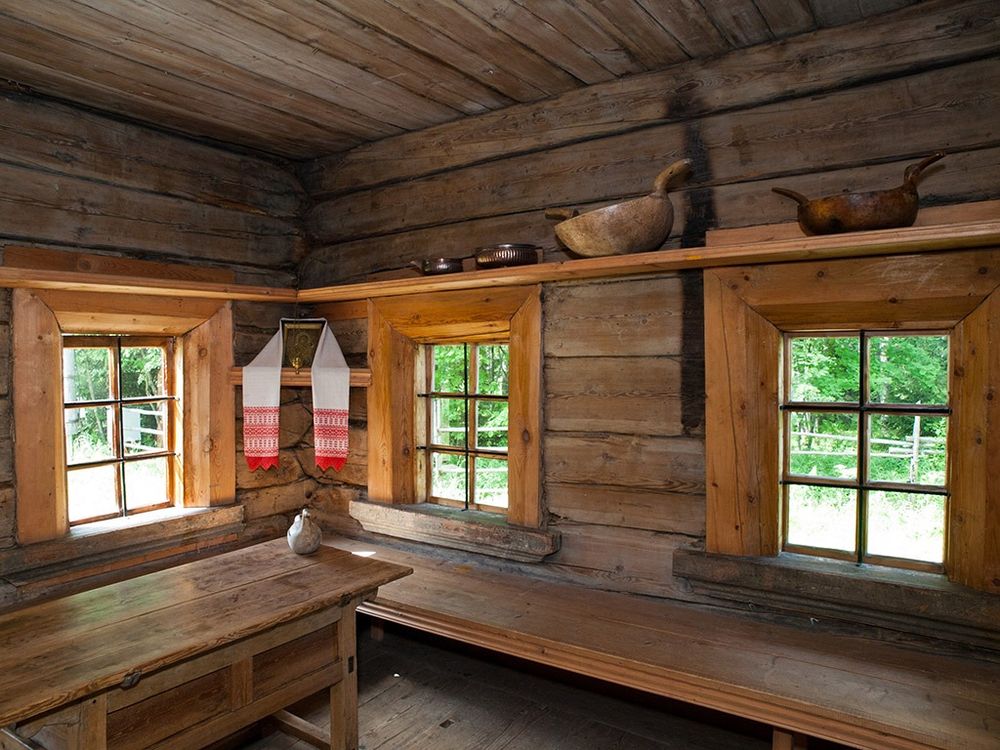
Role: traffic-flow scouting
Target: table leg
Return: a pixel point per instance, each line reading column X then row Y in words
column 344, row 695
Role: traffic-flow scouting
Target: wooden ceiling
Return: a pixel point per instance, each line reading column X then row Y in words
column 307, row 78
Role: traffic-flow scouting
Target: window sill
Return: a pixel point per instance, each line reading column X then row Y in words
column 96, row 544
column 907, row 600
column 471, row 531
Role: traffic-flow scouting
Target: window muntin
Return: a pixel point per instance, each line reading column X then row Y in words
column 120, row 425
column 467, row 415
column 865, row 420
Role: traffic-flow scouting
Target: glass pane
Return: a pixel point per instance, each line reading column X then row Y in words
column 908, row 369
column 491, row 482
column 143, row 371
column 92, row 492
column 493, row 363
column 822, row 517
column 448, row 422
column 907, row 449
column 825, row 368
column 146, row 483
column 907, row 525
column 89, row 434
column 449, row 368
column 86, row 374
column 144, row 427
column 491, row 424
column 822, row 444
column 448, row 476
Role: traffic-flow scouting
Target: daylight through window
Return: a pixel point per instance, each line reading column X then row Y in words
column 118, row 414
column 865, row 422
column 466, row 425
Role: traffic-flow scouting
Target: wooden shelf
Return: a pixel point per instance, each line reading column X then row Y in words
column 919, row 239
column 78, row 281
column 360, row 377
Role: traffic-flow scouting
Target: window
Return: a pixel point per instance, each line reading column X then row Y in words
column 865, row 423
column 121, row 430
column 752, row 312
column 466, row 415
column 119, row 403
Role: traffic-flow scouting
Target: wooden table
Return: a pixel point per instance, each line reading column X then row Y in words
column 185, row 656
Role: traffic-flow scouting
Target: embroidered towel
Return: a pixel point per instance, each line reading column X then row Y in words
column 261, row 403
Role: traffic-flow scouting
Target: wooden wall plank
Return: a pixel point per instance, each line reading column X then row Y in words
column 41, row 134
column 606, row 505
column 740, row 146
column 931, row 34
column 616, row 318
column 110, row 265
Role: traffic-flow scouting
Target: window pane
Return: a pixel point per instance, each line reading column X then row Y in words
column 822, row 517
column 908, row 369
column 493, row 362
column 491, row 424
column 146, row 483
column 449, row 368
column 825, row 368
column 89, row 434
column 907, row 525
column 822, row 444
column 92, row 492
column 143, row 371
column 448, row 422
column 86, row 374
column 907, row 449
column 491, row 482
column 144, row 427
column 448, row 476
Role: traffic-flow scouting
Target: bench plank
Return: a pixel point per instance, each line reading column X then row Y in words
column 844, row 688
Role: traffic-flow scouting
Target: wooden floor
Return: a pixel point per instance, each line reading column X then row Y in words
column 419, row 694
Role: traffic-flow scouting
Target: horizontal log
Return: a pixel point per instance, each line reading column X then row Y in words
column 638, row 395
column 962, row 176
column 673, row 512
column 65, row 210
column 670, row 464
column 900, row 118
column 620, row 559
column 41, row 134
column 930, row 34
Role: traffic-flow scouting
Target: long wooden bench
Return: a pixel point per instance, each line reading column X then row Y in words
column 846, row 688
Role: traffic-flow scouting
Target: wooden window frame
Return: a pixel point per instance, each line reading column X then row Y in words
column 749, row 308
column 206, row 465
column 398, row 329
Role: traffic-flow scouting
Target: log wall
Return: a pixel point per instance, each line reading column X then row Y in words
column 623, row 375
column 72, row 180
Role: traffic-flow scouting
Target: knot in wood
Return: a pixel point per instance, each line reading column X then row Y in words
column 202, row 351
column 525, row 436
column 131, row 679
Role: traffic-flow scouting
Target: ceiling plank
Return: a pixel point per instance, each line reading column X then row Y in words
column 740, row 22
column 636, row 30
column 787, row 17
column 335, row 34
column 554, row 45
column 687, row 21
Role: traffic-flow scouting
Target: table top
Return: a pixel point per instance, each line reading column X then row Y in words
column 56, row 652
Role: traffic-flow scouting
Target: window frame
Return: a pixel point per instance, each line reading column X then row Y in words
column 862, row 484
column 398, row 329
column 471, row 451
column 748, row 308
column 206, row 465
column 117, row 401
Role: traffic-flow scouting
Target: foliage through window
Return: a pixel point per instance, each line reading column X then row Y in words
column 865, row 427
column 118, row 415
column 466, row 397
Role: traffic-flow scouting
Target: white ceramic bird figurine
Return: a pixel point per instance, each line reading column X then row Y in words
column 304, row 535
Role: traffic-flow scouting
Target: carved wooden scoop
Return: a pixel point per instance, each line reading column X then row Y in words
column 854, row 212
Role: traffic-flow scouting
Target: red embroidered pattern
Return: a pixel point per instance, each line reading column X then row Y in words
column 260, row 436
column 330, row 433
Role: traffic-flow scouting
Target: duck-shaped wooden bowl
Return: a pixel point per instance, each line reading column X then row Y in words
column 632, row 226
column 856, row 212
